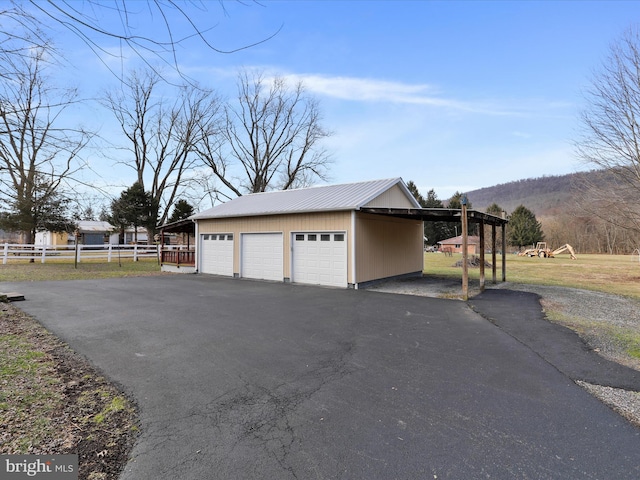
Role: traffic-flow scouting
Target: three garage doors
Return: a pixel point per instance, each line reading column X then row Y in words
column 318, row 258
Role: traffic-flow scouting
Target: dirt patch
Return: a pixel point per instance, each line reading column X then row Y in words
column 473, row 262
column 427, row 286
column 52, row 401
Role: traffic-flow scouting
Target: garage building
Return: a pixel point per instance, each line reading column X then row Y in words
column 319, row 235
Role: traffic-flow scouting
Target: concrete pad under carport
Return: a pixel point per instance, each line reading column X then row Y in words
column 242, row 379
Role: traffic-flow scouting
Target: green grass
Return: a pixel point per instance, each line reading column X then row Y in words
column 616, row 274
column 28, row 393
column 66, row 270
column 116, row 405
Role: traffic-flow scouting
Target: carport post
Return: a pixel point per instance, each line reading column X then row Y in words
column 465, row 251
column 481, row 255
column 504, row 251
column 493, row 253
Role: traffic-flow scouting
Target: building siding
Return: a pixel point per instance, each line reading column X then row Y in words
column 392, row 198
column 387, row 247
column 285, row 224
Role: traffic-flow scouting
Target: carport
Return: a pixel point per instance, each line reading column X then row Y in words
column 464, row 216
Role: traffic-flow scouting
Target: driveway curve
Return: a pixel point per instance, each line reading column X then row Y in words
column 249, row 380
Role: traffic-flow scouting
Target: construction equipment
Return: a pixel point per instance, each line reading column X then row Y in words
column 541, row 250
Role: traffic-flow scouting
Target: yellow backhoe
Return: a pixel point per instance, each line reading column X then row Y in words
column 541, row 250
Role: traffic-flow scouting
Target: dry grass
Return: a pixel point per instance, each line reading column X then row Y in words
column 66, row 270
column 616, row 274
column 53, row 402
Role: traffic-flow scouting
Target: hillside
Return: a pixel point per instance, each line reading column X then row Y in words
column 546, row 195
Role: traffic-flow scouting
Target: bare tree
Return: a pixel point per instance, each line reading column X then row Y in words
column 610, row 136
column 38, row 155
column 270, row 139
column 100, row 22
column 162, row 134
column 19, row 33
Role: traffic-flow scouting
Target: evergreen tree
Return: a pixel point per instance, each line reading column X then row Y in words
column 435, row 231
column 181, row 211
column 452, row 229
column 134, row 208
column 524, row 228
column 45, row 209
column 496, row 210
column 456, row 201
column 416, row 194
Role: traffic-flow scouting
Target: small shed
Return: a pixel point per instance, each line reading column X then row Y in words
column 92, row 232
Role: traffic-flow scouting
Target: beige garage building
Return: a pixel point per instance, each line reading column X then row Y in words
column 319, row 235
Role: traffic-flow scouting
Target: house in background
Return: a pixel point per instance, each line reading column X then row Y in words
column 10, row 237
column 91, row 232
column 454, row 245
column 326, row 235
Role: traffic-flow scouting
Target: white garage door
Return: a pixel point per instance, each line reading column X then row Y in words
column 262, row 256
column 217, row 254
column 320, row 258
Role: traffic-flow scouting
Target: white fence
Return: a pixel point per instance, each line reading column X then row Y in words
column 78, row 253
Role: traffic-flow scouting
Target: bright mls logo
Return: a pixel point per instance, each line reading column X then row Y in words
column 49, row 467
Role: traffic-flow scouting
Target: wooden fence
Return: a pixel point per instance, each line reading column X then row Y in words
column 42, row 253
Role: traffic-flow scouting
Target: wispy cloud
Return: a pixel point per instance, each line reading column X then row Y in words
column 372, row 90
column 521, row 134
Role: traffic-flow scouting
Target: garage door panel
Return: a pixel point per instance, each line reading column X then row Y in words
column 320, row 258
column 217, row 254
column 262, row 256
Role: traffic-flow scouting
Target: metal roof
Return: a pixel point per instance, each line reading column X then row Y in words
column 350, row 196
column 91, row 226
column 437, row 214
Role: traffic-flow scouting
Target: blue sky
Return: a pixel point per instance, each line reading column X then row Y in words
column 452, row 95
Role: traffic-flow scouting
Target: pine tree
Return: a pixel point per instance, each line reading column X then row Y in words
column 134, row 208
column 524, row 228
column 181, row 211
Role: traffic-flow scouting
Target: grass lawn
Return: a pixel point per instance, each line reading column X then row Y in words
column 23, row 271
column 616, row 274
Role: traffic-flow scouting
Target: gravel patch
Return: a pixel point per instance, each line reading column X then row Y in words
column 592, row 314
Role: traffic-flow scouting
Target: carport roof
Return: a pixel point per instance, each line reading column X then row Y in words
column 350, row 196
column 438, row 214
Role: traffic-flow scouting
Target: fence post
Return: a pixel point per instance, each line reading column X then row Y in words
column 5, row 256
column 78, row 252
column 109, row 254
column 44, row 253
column 135, row 252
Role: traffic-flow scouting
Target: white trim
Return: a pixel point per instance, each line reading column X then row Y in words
column 353, row 250
column 197, row 247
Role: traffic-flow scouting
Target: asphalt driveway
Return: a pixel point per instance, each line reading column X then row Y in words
column 252, row 380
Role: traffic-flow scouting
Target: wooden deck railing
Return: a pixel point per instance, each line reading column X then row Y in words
column 174, row 256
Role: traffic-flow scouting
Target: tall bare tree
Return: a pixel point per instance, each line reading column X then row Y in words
column 610, row 135
column 271, row 138
column 162, row 134
column 100, row 23
column 38, row 153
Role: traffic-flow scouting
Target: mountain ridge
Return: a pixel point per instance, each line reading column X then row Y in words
column 546, row 195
